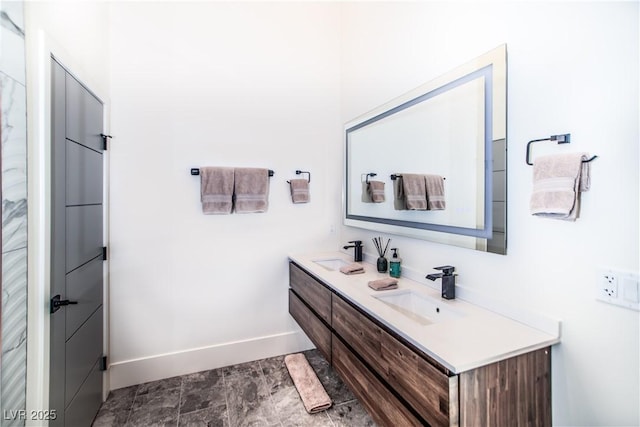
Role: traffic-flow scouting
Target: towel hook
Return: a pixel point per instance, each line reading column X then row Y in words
column 560, row 139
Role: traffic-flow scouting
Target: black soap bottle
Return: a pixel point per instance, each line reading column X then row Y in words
column 394, row 264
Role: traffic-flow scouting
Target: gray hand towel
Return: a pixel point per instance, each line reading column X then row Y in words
column 251, row 190
column 557, row 183
column 299, row 190
column 216, row 190
column 375, row 189
column 383, row 284
column 415, row 191
column 435, row 192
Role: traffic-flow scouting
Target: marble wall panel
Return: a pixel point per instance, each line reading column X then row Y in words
column 14, row 212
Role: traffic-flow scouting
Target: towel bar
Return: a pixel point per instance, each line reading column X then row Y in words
column 560, row 139
column 395, row 176
column 370, row 174
column 196, row 171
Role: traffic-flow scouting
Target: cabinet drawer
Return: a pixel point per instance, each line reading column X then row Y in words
column 381, row 404
column 314, row 293
column 317, row 332
column 362, row 334
column 433, row 394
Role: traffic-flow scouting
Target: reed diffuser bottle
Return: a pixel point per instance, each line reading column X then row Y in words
column 381, row 263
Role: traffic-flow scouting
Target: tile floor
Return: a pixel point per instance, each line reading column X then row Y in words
column 258, row 393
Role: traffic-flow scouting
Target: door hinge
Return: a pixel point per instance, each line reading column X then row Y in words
column 104, row 141
column 104, row 253
column 103, row 363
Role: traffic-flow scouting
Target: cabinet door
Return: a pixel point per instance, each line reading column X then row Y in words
column 314, row 293
column 317, row 332
column 382, row 405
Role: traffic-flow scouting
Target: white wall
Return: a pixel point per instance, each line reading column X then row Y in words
column 215, row 84
column 572, row 68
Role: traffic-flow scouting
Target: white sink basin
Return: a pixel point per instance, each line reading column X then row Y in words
column 420, row 308
column 332, row 263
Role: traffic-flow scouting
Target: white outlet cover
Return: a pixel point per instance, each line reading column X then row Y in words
column 617, row 287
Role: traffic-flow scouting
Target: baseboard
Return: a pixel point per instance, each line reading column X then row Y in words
column 138, row 371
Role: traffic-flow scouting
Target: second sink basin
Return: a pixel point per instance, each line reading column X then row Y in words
column 331, row 263
column 419, row 308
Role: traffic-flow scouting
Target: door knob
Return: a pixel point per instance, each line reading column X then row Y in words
column 56, row 303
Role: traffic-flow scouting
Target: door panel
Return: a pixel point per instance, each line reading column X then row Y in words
column 84, row 115
column 84, row 234
column 76, row 334
column 84, row 175
column 84, row 285
column 84, row 349
column 86, row 403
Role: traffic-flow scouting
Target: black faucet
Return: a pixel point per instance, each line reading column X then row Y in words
column 448, row 280
column 357, row 250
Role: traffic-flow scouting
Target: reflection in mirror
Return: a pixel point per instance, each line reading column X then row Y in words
column 453, row 127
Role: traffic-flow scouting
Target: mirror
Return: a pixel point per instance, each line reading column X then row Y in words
column 452, row 128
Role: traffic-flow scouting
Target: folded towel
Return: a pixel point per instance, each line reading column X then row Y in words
column 414, row 191
column 557, row 183
column 216, row 190
column 365, row 197
column 314, row 396
column 399, row 203
column 375, row 189
column 299, row 190
column 383, row 284
column 435, row 192
column 251, row 190
column 353, row 268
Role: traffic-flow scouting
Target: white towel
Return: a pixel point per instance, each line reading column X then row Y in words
column 557, row 183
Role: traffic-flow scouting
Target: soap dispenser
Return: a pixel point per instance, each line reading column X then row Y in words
column 394, row 264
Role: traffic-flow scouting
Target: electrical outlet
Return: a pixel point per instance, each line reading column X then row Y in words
column 618, row 287
column 608, row 284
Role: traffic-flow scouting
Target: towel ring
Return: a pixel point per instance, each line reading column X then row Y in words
column 560, row 139
column 370, row 174
column 298, row 172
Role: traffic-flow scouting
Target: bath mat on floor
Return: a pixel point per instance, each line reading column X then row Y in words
column 313, row 395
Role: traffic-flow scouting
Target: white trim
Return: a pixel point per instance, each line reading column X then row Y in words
column 40, row 48
column 138, row 371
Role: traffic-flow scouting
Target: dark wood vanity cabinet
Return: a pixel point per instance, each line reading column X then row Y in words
column 401, row 386
column 310, row 306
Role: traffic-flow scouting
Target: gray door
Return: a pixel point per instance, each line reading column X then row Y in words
column 76, row 251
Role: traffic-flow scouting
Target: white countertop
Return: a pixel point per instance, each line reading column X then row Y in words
column 477, row 338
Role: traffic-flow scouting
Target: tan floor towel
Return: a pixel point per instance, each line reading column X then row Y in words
column 251, row 190
column 415, row 191
column 216, row 190
column 435, row 192
column 314, row 396
column 299, row 190
column 557, row 183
